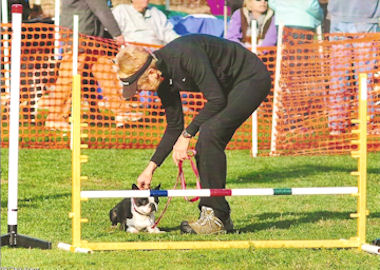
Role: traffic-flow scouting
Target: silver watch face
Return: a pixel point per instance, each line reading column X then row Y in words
column 186, row 134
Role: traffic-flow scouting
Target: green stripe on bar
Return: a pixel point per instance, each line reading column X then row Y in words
column 282, row 191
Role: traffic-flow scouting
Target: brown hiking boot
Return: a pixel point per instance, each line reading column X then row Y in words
column 207, row 223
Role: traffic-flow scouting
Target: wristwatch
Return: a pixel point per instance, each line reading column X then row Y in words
column 186, row 134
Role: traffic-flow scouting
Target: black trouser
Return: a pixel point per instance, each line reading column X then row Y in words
column 215, row 134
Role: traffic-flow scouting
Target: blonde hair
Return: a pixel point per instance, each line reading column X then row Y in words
column 129, row 60
column 245, row 4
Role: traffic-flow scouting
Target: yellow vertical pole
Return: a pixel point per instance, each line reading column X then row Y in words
column 362, row 161
column 76, row 162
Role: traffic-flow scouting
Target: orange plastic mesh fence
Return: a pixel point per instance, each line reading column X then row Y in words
column 317, row 99
column 318, row 95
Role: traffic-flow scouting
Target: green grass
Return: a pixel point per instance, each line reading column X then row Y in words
column 45, row 201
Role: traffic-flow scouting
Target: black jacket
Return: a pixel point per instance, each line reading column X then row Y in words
column 200, row 63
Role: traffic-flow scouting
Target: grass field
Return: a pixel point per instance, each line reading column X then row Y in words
column 45, row 201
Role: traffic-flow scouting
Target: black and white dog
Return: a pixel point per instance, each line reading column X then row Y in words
column 136, row 214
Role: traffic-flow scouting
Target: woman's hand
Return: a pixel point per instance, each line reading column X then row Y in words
column 120, row 41
column 145, row 178
column 180, row 149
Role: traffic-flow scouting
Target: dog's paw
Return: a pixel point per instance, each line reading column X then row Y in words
column 132, row 230
column 154, row 230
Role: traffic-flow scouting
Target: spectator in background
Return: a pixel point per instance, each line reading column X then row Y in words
column 298, row 14
column 95, row 19
column 239, row 28
column 354, row 16
column 41, row 11
column 350, row 59
column 300, row 19
column 141, row 23
column 326, row 21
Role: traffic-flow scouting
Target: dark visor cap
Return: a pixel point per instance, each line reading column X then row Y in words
column 130, row 83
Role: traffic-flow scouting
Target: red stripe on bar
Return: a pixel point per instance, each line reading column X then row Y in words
column 17, row 8
column 220, row 192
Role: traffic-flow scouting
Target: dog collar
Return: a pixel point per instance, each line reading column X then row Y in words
column 134, row 207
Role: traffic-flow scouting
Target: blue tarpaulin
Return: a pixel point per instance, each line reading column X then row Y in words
column 201, row 24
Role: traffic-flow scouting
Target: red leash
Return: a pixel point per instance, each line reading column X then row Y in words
column 181, row 177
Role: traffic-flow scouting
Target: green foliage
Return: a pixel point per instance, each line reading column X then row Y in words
column 45, row 201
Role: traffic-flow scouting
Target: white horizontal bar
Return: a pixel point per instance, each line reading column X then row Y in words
column 252, row 191
column 207, row 192
column 189, row 192
column 324, row 191
column 115, row 194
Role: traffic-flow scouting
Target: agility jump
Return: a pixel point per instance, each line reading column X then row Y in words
column 357, row 241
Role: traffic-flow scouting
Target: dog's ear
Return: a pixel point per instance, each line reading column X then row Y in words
column 157, row 188
column 134, row 187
